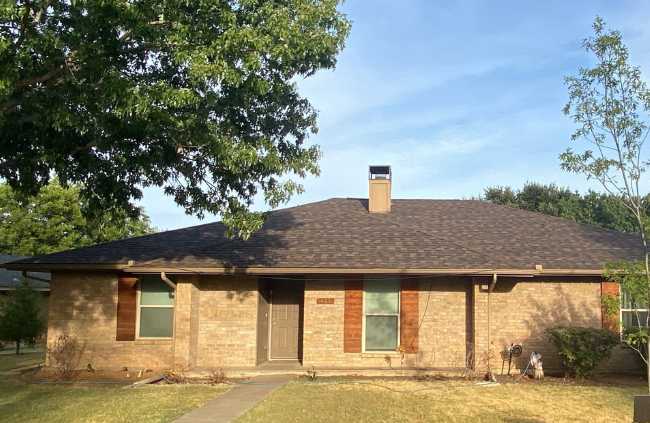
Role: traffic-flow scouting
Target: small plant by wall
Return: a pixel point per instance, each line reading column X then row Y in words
column 65, row 354
column 582, row 349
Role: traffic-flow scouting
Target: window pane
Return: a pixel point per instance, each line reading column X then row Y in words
column 382, row 296
column 381, row 333
column 156, row 322
column 632, row 320
column 153, row 291
column 627, row 302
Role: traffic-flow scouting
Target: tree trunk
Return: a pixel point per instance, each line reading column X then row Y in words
column 17, row 346
column 646, row 257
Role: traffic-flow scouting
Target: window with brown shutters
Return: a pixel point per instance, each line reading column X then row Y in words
column 127, row 296
column 381, row 310
column 372, row 324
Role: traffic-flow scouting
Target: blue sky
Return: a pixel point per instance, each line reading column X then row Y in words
column 455, row 96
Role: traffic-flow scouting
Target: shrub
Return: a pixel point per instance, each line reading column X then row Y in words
column 582, row 349
column 637, row 339
column 217, row 377
column 65, row 353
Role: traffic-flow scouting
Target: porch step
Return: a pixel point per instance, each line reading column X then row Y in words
column 281, row 365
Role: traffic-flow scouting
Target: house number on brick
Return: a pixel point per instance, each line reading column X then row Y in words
column 324, row 300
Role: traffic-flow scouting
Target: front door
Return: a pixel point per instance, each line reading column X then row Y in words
column 286, row 305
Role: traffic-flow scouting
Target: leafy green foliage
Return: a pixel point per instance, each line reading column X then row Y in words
column 631, row 277
column 199, row 98
column 637, row 339
column 610, row 104
column 605, row 210
column 53, row 221
column 582, row 349
column 611, row 304
column 19, row 316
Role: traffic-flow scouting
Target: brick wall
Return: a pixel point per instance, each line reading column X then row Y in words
column 227, row 321
column 84, row 305
column 186, row 322
column 443, row 332
column 522, row 309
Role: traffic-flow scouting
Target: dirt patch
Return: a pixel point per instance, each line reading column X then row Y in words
column 125, row 377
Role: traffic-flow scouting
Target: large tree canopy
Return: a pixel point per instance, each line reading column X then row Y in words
column 52, row 221
column 198, row 97
column 593, row 208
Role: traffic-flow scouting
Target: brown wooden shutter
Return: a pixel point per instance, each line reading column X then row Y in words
column 409, row 315
column 126, row 307
column 610, row 289
column 353, row 314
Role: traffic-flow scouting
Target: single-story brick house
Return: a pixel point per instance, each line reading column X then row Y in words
column 343, row 283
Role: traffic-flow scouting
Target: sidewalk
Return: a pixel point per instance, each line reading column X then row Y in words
column 227, row 407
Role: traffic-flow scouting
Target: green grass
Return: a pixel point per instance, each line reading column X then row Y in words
column 21, row 402
column 447, row 401
column 13, row 361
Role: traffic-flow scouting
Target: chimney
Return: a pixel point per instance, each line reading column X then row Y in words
column 379, row 179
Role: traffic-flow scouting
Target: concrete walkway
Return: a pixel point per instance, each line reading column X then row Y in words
column 227, row 407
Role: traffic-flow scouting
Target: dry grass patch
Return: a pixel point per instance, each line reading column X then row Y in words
column 20, row 402
column 452, row 401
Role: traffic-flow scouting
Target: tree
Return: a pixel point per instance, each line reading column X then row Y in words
column 594, row 208
column 198, row 97
column 610, row 104
column 53, row 221
column 19, row 316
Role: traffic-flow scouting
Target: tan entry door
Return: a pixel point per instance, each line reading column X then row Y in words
column 285, row 321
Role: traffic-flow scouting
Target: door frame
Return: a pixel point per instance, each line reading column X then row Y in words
column 299, row 284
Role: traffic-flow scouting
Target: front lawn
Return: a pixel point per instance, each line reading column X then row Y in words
column 20, row 402
column 9, row 361
column 445, row 401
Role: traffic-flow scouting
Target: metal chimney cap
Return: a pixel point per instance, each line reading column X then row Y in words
column 379, row 172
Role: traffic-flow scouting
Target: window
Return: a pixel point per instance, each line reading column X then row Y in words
column 155, row 308
column 381, row 314
column 633, row 316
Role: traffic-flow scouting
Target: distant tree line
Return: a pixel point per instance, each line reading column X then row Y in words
column 593, row 208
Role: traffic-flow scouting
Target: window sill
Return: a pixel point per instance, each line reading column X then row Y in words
column 375, row 354
column 153, row 341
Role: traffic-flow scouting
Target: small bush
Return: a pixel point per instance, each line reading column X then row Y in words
column 582, row 349
column 65, row 353
column 175, row 377
column 217, row 377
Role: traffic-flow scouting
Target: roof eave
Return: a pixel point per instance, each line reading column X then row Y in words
column 337, row 270
column 49, row 267
column 260, row 270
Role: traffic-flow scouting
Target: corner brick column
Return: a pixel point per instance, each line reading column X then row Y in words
column 480, row 321
column 186, row 322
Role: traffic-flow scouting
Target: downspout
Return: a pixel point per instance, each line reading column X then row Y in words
column 168, row 281
column 489, row 346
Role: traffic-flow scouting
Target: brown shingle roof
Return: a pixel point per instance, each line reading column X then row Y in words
column 340, row 233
